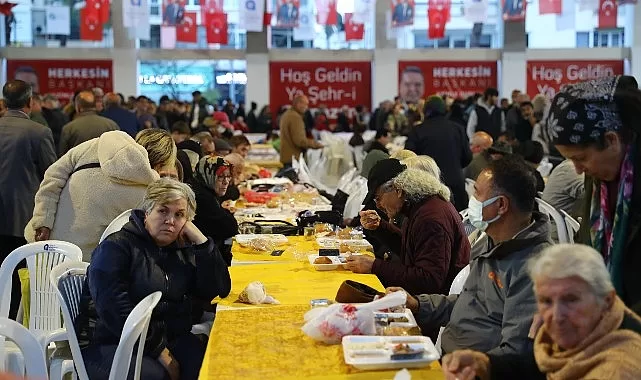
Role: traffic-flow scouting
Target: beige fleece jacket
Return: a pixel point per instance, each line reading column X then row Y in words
column 77, row 208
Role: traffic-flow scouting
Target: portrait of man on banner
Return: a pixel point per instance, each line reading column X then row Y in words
column 173, row 12
column 402, row 12
column 287, row 16
column 28, row 74
column 411, row 86
column 514, row 10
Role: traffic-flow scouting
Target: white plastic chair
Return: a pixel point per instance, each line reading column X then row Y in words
column 135, row 328
column 359, row 156
column 116, row 224
column 34, row 356
column 354, row 202
column 572, row 226
column 455, row 288
column 346, row 178
column 551, row 212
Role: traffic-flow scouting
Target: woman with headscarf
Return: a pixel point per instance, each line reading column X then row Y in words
column 211, row 180
column 237, row 171
column 596, row 125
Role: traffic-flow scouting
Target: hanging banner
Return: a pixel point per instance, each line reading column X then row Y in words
column 363, row 11
column 173, row 12
column 287, row 12
column 514, row 10
column 326, row 12
column 187, row 31
column 210, row 7
column 550, row 7
column 333, row 84
column 136, row 18
column 475, row 11
column 90, row 25
column 547, row 77
column 353, row 31
column 305, row 31
column 438, row 14
column 58, row 20
column 419, row 79
column 217, row 28
column 567, row 19
column 608, row 12
column 168, row 37
column 402, row 12
column 62, row 78
column 252, row 13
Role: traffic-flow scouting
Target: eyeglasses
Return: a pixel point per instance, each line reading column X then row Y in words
column 223, row 178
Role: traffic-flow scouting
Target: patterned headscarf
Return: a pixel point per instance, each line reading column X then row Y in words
column 582, row 113
column 209, row 168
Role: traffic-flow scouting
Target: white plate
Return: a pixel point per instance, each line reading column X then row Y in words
column 355, row 346
column 411, row 321
column 244, row 240
column 323, row 267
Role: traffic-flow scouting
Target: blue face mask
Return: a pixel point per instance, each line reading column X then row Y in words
column 475, row 213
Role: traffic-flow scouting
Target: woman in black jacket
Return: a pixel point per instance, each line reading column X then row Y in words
column 160, row 249
column 211, row 180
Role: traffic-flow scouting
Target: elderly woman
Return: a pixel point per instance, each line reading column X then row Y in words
column 95, row 182
column 434, row 247
column 587, row 332
column 211, row 180
column 596, row 125
column 160, row 249
column 424, row 163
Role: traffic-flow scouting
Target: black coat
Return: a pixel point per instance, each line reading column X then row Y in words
column 128, row 266
column 445, row 142
column 213, row 220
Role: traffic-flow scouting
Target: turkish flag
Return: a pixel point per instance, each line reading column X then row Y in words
column 267, row 19
column 208, row 7
column 436, row 21
column 90, row 24
column 5, row 8
column 353, row 31
column 441, row 6
column 332, row 15
column 104, row 10
column 217, row 28
column 187, row 31
column 550, row 7
column 608, row 11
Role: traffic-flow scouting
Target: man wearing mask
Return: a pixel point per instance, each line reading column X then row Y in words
column 293, row 140
column 486, row 116
column 493, row 313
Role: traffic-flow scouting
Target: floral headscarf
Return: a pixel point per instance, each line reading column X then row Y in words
column 209, row 168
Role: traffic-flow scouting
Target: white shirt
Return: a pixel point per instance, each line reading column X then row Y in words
column 194, row 123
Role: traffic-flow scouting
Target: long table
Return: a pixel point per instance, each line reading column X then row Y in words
column 266, row 341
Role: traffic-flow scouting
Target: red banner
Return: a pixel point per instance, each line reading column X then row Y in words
column 550, row 7
column 353, row 31
column 209, row 7
column 187, row 31
column 547, row 77
column 418, row 79
column 62, row 78
column 104, row 11
column 608, row 11
column 90, row 24
column 402, row 12
column 514, row 10
column 216, row 28
column 333, row 84
column 326, row 14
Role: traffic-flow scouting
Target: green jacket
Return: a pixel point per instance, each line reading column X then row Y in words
column 38, row 118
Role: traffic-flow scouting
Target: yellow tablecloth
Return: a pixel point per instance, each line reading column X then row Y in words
column 292, row 283
column 269, row 344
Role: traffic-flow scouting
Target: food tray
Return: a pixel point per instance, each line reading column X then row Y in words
column 374, row 352
column 336, row 263
column 330, row 242
column 411, row 321
column 245, row 239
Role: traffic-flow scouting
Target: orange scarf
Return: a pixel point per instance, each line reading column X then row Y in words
column 607, row 353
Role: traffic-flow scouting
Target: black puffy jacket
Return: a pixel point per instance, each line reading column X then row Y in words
column 129, row 266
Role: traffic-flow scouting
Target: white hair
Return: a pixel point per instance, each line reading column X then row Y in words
column 425, row 163
column 402, row 154
column 165, row 191
column 573, row 260
column 418, row 185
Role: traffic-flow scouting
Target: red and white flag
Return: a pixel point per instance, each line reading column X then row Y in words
column 267, row 19
column 608, row 11
column 436, row 24
column 90, row 23
column 550, row 7
column 326, row 12
column 441, row 6
column 104, row 10
column 187, row 31
column 208, row 7
column 217, row 28
column 353, row 31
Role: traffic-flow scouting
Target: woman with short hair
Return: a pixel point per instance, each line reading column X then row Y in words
column 95, row 182
column 159, row 249
column 587, row 331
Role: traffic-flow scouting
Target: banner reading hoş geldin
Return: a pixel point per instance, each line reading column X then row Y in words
column 333, row 84
column 458, row 79
column 547, row 77
column 61, row 77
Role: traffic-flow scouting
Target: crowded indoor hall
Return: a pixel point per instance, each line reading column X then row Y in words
column 320, row 189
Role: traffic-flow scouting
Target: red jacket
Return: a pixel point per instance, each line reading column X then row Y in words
column 431, row 236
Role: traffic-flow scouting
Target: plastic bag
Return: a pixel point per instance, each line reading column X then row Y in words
column 331, row 324
column 255, row 294
column 262, row 244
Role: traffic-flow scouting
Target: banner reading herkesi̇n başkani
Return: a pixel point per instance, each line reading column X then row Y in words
column 62, row 77
column 333, row 84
